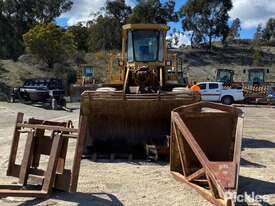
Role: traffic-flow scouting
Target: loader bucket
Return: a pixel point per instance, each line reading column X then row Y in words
column 124, row 124
column 205, row 149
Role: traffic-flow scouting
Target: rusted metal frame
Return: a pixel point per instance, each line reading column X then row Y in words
column 60, row 167
column 27, row 158
column 46, row 127
column 206, row 114
column 190, row 139
column 21, row 171
column 228, row 168
column 213, row 182
column 175, row 164
column 232, row 110
column 179, row 144
column 63, row 155
column 15, row 142
column 202, row 191
column 238, row 144
column 64, row 150
column 215, row 186
column 238, row 137
column 198, row 174
column 52, row 164
column 49, row 176
column 42, row 139
column 237, row 154
column 11, row 191
column 78, row 152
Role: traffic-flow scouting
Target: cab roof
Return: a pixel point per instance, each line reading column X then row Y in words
column 209, row 83
column 162, row 27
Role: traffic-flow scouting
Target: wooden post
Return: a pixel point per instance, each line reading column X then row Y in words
column 78, row 153
column 53, row 161
column 15, row 141
column 27, row 158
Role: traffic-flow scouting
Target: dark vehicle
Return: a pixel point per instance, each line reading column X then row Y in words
column 41, row 90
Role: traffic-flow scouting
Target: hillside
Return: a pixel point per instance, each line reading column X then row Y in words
column 199, row 64
column 13, row 74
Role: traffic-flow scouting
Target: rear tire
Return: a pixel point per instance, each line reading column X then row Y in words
column 227, row 100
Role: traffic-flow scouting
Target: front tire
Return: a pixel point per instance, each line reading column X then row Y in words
column 227, row 100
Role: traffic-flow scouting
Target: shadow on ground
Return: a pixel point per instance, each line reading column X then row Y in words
column 255, row 187
column 80, row 199
column 246, row 163
column 133, row 162
column 257, row 143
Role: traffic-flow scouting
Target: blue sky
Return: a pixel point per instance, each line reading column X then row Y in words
column 251, row 13
column 246, row 33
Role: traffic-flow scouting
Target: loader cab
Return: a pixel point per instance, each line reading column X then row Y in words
column 144, row 54
column 256, row 77
column 225, row 76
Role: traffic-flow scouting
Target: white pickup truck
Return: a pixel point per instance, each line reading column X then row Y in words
column 215, row 92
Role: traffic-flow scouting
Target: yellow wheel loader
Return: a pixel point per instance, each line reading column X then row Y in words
column 125, row 121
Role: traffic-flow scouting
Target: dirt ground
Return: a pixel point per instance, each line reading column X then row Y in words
column 121, row 183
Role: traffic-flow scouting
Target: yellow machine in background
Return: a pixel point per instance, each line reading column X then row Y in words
column 86, row 75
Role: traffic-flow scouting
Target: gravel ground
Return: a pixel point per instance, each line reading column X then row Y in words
column 121, row 183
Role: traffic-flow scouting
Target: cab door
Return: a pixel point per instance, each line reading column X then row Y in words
column 210, row 92
column 214, row 92
column 203, row 91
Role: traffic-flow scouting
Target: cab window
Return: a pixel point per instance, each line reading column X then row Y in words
column 202, row 86
column 213, row 86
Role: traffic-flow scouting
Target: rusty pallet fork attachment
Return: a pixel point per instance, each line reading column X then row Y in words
column 205, row 149
column 55, row 146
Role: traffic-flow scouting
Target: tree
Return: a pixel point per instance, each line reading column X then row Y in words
column 25, row 14
column 258, row 36
column 119, row 10
column 48, row 10
column 256, row 51
column 257, row 55
column 9, row 46
column 106, row 28
column 235, row 28
column 104, row 34
column 269, row 31
column 206, row 19
column 153, row 11
column 81, row 36
column 50, row 43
